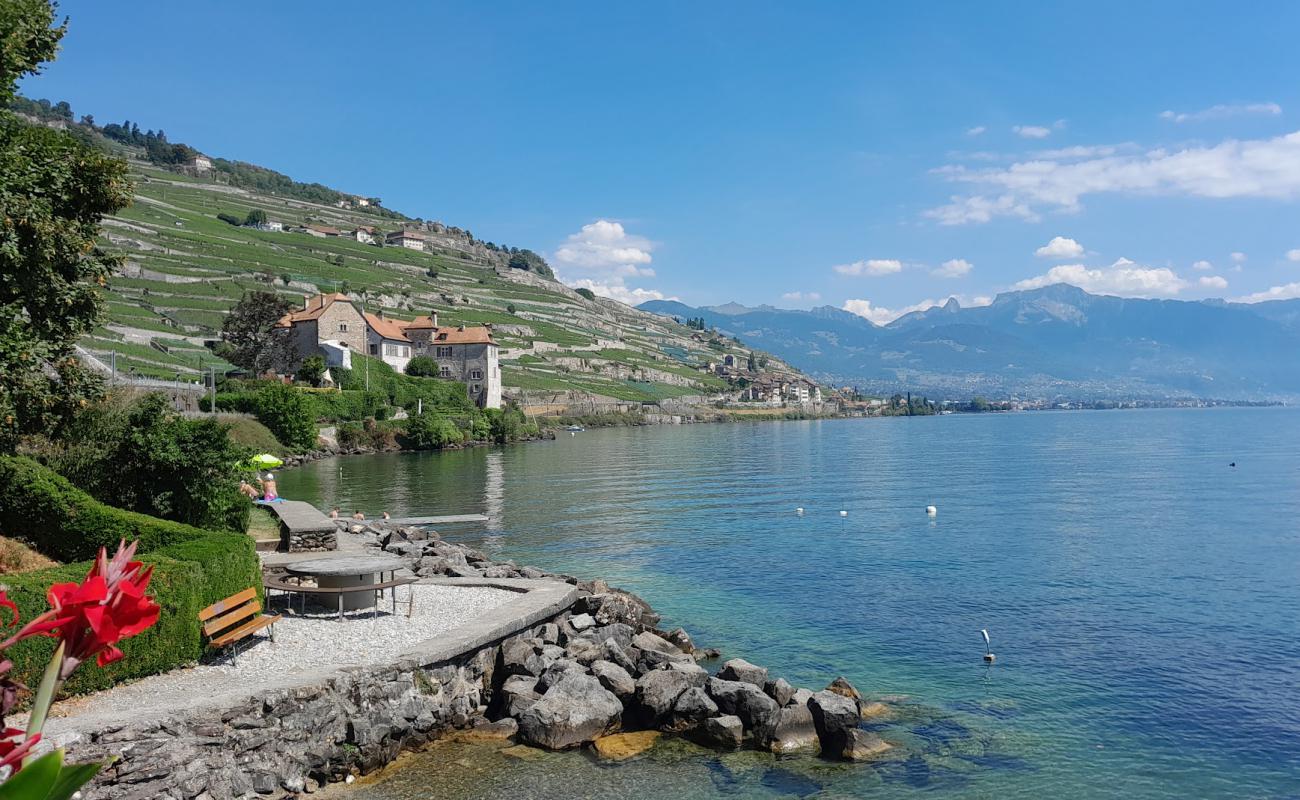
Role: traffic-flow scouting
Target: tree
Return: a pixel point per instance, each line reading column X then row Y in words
column 587, row 293
column 54, row 190
column 752, row 364
column 422, row 367
column 312, row 370
column 256, row 218
column 510, row 308
column 289, row 414
column 250, row 328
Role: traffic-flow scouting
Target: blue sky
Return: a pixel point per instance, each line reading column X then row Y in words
column 866, row 157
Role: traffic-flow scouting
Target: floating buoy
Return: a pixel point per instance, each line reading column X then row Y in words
column 799, row 511
column 571, row 433
column 1233, row 464
column 932, row 511
column 988, row 653
column 844, row 513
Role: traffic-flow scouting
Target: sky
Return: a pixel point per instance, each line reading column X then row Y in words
column 873, row 157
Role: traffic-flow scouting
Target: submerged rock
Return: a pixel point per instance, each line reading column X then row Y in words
column 725, row 732
column 863, row 746
column 835, row 717
column 622, row 746
column 844, row 688
column 575, row 710
column 792, row 729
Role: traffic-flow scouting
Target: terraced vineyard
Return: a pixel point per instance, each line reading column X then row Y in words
column 185, row 267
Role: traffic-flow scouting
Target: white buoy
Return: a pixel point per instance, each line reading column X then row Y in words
column 844, row 513
column 988, row 653
column 932, row 511
column 799, row 511
column 571, row 433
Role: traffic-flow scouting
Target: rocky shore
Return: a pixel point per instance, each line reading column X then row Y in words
column 605, row 674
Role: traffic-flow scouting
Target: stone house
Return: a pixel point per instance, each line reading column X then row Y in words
column 199, row 163
column 411, row 240
column 320, row 231
column 332, row 325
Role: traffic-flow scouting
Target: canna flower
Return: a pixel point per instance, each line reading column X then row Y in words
column 15, row 745
column 5, row 602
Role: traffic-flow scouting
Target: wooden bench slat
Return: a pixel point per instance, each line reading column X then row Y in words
column 219, row 624
column 247, row 628
column 237, row 599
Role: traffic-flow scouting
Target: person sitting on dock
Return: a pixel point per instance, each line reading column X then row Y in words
column 334, row 512
column 387, row 516
column 357, row 515
column 269, row 494
column 247, row 490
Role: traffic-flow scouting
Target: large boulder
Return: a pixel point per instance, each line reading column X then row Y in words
column 617, row 654
column 745, row 700
column 835, row 717
column 616, row 630
column 656, row 693
column 558, row 670
column 698, row 675
column 692, row 708
column 622, row 746
column 738, row 669
column 645, row 640
column 844, row 688
column 584, row 651
column 614, row 678
column 792, row 729
column 575, row 710
column 723, row 733
column 529, row 656
column 615, row 606
column 517, row 694
column 781, row 691
column 682, row 639
column 863, row 746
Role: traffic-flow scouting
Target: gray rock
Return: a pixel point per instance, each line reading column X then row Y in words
column 557, row 670
column 682, row 639
column 842, row 687
column 863, row 746
column 549, row 633
column 792, row 729
column 645, row 640
column 706, row 654
column 575, row 710
column 614, row 678
column 800, row 697
column 617, row 631
column 618, row 655
column 584, row 651
column 648, row 660
column 691, row 709
column 532, row 573
column 498, row 572
column 697, row 674
column 515, row 655
column 835, row 716
column 517, row 695
column 657, row 692
column 781, row 691
column 745, row 700
column 582, row 622
column 738, row 669
column 724, row 733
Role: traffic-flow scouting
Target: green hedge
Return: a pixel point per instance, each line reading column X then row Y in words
column 193, row 568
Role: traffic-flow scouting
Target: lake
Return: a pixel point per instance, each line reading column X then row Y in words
column 1143, row 596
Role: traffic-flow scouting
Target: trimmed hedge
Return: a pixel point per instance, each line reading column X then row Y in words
column 193, row 568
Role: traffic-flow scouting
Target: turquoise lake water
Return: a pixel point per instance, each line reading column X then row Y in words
column 1143, row 596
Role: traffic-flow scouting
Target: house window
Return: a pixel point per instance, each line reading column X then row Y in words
column 374, row 349
column 443, row 352
column 343, row 327
column 444, row 371
column 476, row 375
column 475, row 389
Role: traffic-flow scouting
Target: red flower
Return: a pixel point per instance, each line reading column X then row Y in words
column 14, row 747
column 93, row 616
column 5, row 602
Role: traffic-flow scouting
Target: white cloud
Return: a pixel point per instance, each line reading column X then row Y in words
column 1238, row 258
column 1124, row 278
column 605, row 247
column 1288, row 291
column 1032, row 131
column 873, row 267
column 1268, row 168
column 976, row 131
column 1293, row 255
column 796, row 297
column 1203, row 266
column 615, row 289
column 953, row 268
column 1222, row 112
column 1060, row 248
column 602, row 256
column 1213, row 282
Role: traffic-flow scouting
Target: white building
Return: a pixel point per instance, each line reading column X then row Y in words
column 411, row 240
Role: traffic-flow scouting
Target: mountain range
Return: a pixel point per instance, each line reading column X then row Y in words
column 1058, row 340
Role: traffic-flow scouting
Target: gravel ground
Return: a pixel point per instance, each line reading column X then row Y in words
column 306, row 642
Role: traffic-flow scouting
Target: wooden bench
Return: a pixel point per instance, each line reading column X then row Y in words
column 230, row 621
column 280, row 580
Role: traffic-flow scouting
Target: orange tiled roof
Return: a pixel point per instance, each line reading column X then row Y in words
column 326, row 229
column 387, row 328
column 315, row 307
column 462, row 335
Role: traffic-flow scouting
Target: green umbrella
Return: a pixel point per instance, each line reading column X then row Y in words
column 265, row 460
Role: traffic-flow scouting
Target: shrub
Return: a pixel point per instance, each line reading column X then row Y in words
column 193, row 568
column 289, row 414
column 230, row 219
column 422, row 367
column 138, row 455
column 312, row 370
column 431, row 432
column 587, row 293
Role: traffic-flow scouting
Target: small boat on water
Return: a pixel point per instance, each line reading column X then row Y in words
column 575, row 429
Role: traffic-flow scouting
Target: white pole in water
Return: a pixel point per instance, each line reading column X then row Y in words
column 988, row 653
column 932, row 511
column 799, row 511
column 844, row 513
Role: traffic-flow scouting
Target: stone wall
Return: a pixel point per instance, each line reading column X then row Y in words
column 290, row 739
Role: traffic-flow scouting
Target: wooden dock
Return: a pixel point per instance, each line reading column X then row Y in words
column 301, row 521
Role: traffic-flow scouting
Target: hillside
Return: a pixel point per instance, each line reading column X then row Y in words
column 1058, row 340
column 188, row 258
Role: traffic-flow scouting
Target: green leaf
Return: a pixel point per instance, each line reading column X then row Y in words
column 35, row 780
column 72, row 778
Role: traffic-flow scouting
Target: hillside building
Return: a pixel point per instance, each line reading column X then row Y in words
column 199, row 163
column 409, row 239
column 333, row 326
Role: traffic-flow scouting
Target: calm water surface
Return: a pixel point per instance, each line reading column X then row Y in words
column 1143, row 596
